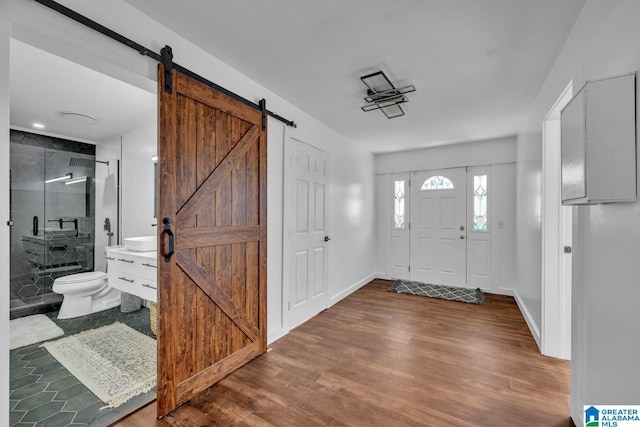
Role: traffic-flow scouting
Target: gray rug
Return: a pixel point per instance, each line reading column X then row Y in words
column 472, row 296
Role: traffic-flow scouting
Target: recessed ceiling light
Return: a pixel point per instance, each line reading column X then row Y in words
column 81, row 119
column 38, row 125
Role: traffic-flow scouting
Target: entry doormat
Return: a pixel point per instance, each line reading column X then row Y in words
column 472, row 296
column 115, row 362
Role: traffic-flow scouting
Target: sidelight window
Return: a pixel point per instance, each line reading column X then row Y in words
column 480, row 203
column 398, row 204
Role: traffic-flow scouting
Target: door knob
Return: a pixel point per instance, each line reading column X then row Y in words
column 462, row 237
column 327, row 238
column 462, row 228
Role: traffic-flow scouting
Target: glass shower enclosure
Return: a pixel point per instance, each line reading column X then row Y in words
column 52, row 210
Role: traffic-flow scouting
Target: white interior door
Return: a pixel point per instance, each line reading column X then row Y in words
column 306, row 182
column 438, row 250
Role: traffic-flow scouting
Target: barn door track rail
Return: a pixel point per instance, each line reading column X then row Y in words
column 166, row 57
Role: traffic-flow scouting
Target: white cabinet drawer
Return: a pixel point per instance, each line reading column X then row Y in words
column 125, row 263
column 138, row 267
column 148, row 270
column 132, row 273
column 134, row 285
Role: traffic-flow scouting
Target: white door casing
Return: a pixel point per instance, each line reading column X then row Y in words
column 305, row 199
column 555, row 335
column 438, row 231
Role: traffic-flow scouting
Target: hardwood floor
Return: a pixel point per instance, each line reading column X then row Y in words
column 382, row 359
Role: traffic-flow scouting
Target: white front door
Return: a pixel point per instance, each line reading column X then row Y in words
column 438, row 227
column 306, row 186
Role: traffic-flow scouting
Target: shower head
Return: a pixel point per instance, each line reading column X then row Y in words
column 84, row 163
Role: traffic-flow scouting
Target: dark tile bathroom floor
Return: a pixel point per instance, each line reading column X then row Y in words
column 43, row 393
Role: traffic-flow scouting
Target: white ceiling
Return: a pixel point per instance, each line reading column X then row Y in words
column 477, row 64
column 43, row 86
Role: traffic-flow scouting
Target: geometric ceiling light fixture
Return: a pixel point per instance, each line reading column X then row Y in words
column 383, row 95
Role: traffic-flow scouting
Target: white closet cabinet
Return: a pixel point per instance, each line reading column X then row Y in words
column 599, row 143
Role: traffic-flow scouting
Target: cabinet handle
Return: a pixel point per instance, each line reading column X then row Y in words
column 126, row 260
column 149, row 286
column 125, row 279
column 149, row 265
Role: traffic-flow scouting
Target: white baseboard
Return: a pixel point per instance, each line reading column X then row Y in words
column 529, row 319
column 503, row 291
column 381, row 275
column 274, row 336
column 351, row 289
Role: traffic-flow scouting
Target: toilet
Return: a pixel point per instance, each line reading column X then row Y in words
column 85, row 293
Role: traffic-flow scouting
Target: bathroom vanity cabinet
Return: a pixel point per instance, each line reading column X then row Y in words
column 133, row 272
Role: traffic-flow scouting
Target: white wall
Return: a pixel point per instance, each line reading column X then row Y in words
column 499, row 155
column 106, row 183
column 605, row 318
column 384, row 218
column 476, row 153
column 502, row 200
column 276, row 324
column 352, row 222
column 352, row 250
column 138, row 181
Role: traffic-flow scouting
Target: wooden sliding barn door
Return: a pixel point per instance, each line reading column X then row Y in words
column 212, row 209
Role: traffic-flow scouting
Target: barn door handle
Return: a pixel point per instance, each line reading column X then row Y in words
column 169, row 233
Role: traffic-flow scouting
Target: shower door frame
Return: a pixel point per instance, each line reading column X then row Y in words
column 71, row 250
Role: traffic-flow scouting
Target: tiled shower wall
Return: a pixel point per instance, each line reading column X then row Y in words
column 38, row 259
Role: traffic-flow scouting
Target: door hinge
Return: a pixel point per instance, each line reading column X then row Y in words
column 289, row 306
column 409, row 267
column 409, row 226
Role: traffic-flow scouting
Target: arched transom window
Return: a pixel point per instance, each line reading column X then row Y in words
column 437, row 182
